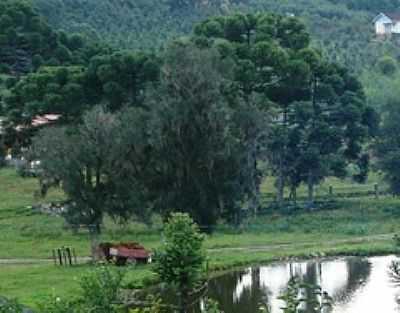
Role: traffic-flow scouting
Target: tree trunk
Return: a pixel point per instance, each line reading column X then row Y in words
column 94, row 234
column 281, row 178
column 310, row 184
column 281, row 185
column 293, row 194
column 183, row 300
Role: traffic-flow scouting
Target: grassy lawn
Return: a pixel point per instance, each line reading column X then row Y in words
column 32, row 283
column 28, row 234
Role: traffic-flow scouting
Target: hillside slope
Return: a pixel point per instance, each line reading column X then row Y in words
column 342, row 28
column 27, row 41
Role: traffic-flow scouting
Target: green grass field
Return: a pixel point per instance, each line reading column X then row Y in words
column 352, row 228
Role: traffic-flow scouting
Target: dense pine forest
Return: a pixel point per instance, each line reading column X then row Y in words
column 342, row 29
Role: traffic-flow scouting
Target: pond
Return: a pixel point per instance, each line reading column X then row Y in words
column 357, row 285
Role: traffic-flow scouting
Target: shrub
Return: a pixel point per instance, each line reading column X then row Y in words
column 396, row 239
column 57, row 305
column 180, row 261
column 10, row 306
column 100, row 290
column 99, row 294
column 387, row 65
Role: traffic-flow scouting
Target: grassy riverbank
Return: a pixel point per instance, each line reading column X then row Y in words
column 356, row 226
column 32, row 283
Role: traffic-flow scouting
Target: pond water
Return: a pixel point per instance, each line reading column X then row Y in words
column 357, row 285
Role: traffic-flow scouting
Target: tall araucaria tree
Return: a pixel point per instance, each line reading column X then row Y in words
column 321, row 119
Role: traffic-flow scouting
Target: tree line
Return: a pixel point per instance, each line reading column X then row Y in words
column 190, row 128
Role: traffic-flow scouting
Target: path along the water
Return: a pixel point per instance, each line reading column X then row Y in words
column 259, row 248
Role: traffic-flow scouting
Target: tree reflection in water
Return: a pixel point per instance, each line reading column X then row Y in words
column 394, row 274
column 244, row 291
column 356, row 285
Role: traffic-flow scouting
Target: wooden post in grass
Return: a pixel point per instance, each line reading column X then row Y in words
column 64, row 256
column 330, row 191
column 74, row 254
column 59, row 254
column 64, row 252
column 54, row 256
column 376, row 189
column 69, row 256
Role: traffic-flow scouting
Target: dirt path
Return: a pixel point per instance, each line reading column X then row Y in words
column 33, row 261
column 258, row 248
column 354, row 240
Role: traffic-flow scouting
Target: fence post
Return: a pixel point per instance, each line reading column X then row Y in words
column 330, row 190
column 54, row 256
column 60, row 256
column 74, row 254
column 64, row 252
column 376, row 189
column 68, row 251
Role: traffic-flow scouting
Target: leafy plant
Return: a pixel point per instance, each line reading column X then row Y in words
column 180, row 260
column 100, row 290
column 10, row 306
column 396, row 239
column 298, row 296
column 99, row 293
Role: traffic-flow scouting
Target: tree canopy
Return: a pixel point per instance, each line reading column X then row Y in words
column 194, row 127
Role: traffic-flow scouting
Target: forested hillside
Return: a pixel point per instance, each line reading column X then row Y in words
column 342, row 28
column 27, row 41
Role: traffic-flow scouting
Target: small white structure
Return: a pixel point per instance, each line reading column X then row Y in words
column 2, row 120
column 387, row 24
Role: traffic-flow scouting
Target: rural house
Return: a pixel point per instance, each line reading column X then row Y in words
column 387, row 24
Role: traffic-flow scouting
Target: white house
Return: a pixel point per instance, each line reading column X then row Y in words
column 387, row 24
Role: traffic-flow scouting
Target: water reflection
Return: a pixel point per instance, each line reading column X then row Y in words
column 357, row 285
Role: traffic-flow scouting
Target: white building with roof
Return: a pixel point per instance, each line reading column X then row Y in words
column 387, row 24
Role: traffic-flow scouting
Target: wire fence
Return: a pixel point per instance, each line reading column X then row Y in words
column 324, row 192
column 37, row 238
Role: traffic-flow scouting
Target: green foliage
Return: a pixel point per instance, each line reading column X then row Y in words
column 27, row 41
column 115, row 80
column 156, row 306
column 181, row 259
column 387, row 147
column 10, row 306
column 139, row 25
column 322, row 119
column 309, row 297
column 341, row 28
column 396, row 239
column 93, row 167
column 100, row 290
column 369, row 5
column 199, row 134
column 99, row 293
column 387, row 65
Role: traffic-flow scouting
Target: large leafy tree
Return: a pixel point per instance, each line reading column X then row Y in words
column 183, row 149
column 97, row 163
column 197, row 138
